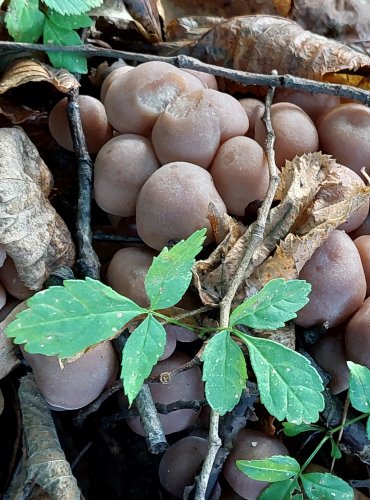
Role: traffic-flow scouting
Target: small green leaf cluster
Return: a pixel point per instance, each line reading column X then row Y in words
column 66, row 320
column 55, row 21
column 288, row 479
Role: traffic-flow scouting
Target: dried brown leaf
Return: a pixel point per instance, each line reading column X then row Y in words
column 145, row 13
column 113, row 18
column 26, row 71
column 172, row 9
column 262, row 43
column 348, row 20
column 31, row 232
column 46, row 463
column 284, row 336
column 16, row 113
column 190, row 28
column 8, row 355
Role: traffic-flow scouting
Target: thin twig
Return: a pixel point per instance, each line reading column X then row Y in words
column 186, row 62
column 340, row 434
column 225, row 305
column 95, row 405
column 166, row 377
column 116, row 238
column 88, row 261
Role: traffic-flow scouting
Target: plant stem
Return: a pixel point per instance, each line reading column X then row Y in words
column 344, row 418
column 226, row 303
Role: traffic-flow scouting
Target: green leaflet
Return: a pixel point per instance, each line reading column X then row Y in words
column 224, row 372
column 335, row 451
column 73, row 22
column 24, row 21
column 359, row 387
column 69, row 7
column 273, row 306
column 169, row 276
column 142, row 350
column 293, row 429
column 64, row 320
column 325, row 486
column 290, row 388
column 272, row 469
column 55, row 35
column 279, row 491
column 368, row 428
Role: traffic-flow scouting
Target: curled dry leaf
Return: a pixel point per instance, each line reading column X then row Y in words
column 31, row 232
column 145, row 13
column 262, row 43
column 26, row 71
column 313, row 202
column 113, row 18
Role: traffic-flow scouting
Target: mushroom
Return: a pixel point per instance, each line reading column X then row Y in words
column 314, row 105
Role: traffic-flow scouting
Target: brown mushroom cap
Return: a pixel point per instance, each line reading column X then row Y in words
column 126, row 273
column 357, row 335
column 295, row 132
column 180, row 463
column 250, row 445
column 338, row 282
column 173, row 203
column 114, row 75
column 11, row 282
column 329, row 352
column 94, row 120
column 363, row 246
column 240, row 173
column 121, row 168
column 135, row 100
column 77, row 383
column 344, row 133
column 185, row 386
column 209, row 80
column 314, row 105
column 254, row 109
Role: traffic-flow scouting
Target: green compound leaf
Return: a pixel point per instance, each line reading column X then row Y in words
column 73, row 22
column 293, row 429
column 279, row 491
column 224, row 372
column 290, row 388
column 359, row 387
column 169, row 276
column 69, row 7
column 142, row 350
column 272, row 469
column 273, row 306
column 64, row 320
column 55, row 35
column 325, row 486
column 24, row 21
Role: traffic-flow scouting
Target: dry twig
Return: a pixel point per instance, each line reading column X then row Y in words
column 242, row 272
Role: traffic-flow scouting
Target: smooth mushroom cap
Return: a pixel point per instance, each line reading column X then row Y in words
column 357, row 335
column 338, row 282
column 180, row 463
column 295, row 132
column 114, row 75
column 250, row 445
column 314, row 105
column 254, row 109
column 363, row 246
column 79, row 382
column 209, row 80
column 135, row 100
column 10, row 279
column 173, row 203
column 185, row 386
column 240, row 173
column 121, row 168
column 94, row 120
column 330, row 354
column 344, row 133
column 126, row 273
